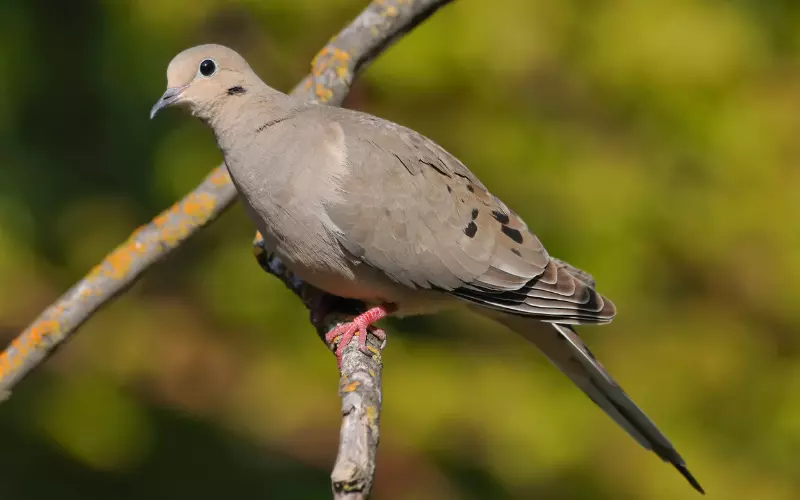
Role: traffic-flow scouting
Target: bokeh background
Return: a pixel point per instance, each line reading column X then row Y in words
column 652, row 143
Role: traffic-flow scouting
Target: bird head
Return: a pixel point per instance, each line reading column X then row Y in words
column 202, row 77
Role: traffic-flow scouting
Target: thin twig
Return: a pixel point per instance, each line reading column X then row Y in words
column 333, row 71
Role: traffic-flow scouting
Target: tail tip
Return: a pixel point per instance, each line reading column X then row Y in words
column 689, row 477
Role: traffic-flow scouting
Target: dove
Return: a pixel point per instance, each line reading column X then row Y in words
column 366, row 209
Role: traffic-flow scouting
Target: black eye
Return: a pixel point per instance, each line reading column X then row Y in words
column 207, row 67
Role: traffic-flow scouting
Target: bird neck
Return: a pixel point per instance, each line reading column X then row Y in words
column 245, row 115
column 234, row 101
column 250, row 105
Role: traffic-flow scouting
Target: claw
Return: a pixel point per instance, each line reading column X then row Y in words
column 362, row 341
column 343, row 334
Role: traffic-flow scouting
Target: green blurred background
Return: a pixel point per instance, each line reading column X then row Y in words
column 653, row 143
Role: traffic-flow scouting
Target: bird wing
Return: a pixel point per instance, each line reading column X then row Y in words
column 413, row 211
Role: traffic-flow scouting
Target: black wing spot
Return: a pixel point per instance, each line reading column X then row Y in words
column 474, row 213
column 514, row 234
column 449, row 189
column 470, row 188
column 471, row 229
column 516, row 252
column 500, row 217
column 237, row 90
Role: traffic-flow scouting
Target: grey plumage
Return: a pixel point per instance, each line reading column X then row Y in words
column 367, row 209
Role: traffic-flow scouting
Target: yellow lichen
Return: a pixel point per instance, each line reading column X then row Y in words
column 199, row 205
column 323, row 93
column 171, row 236
column 342, row 72
column 24, row 344
column 162, row 218
column 315, row 63
column 4, row 365
column 352, row 386
column 372, row 416
column 340, row 55
column 117, row 264
column 219, row 177
column 40, row 330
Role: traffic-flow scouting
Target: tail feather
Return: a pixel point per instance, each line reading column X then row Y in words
column 565, row 349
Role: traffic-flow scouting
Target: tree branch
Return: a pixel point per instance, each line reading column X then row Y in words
column 359, row 383
column 333, row 71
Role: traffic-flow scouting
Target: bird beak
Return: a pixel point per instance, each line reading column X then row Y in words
column 170, row 97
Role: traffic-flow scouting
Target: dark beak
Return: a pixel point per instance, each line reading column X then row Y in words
column 170, row 97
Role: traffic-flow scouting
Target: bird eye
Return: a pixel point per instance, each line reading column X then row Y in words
column 207, row 67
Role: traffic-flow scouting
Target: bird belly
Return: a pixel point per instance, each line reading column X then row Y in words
column 313, row 256
column 342, row 276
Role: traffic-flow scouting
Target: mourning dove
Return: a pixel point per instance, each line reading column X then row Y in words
column 366, row 209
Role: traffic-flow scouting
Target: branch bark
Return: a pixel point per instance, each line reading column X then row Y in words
column 332, row 73
column 359, row 383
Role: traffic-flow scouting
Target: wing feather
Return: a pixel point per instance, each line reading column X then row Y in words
column 435, row 226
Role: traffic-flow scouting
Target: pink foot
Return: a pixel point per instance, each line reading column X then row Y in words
column 360, row 324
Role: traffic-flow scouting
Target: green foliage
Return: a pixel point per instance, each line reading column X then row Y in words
column 653, row 143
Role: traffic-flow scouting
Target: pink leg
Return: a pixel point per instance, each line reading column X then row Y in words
column 346, row 331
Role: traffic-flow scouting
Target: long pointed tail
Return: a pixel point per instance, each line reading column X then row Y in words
column 565, row 349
